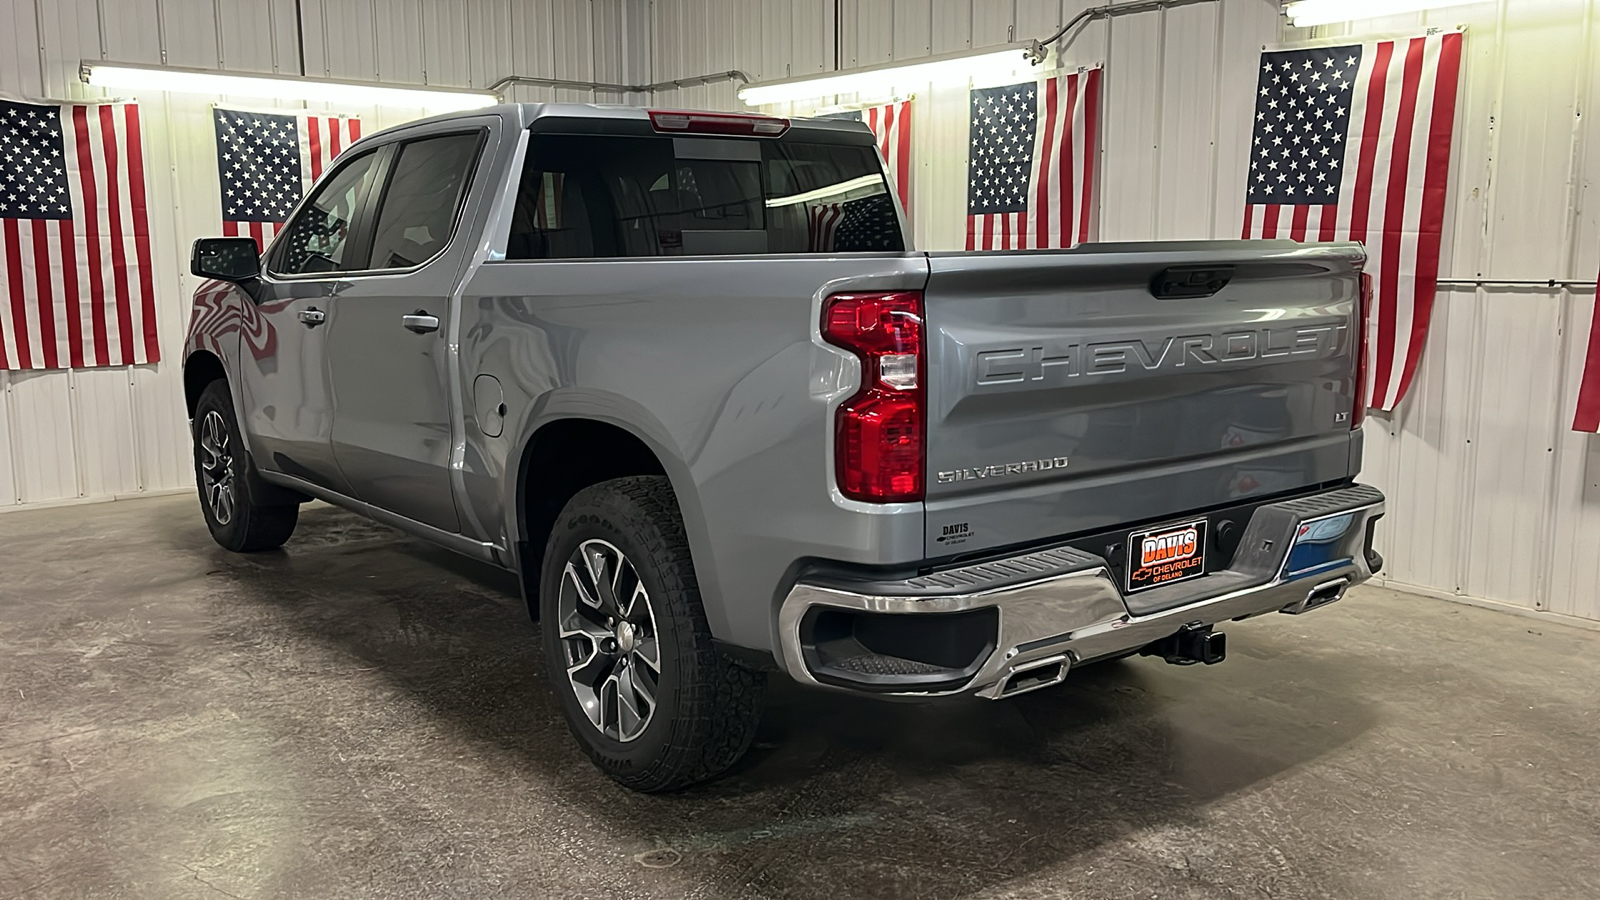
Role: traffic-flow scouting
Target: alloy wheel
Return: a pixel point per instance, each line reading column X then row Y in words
column 216, row 467
column 609, row 640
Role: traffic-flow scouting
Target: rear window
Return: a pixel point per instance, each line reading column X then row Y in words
column 585, row 196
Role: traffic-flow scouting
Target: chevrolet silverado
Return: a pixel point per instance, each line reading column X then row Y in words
column 685, row 374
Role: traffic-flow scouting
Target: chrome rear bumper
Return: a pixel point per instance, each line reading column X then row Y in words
column 1060, row 607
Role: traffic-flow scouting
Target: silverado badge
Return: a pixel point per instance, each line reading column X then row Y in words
column 1003, row 470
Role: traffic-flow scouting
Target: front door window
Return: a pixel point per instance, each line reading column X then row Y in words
column 318, row 240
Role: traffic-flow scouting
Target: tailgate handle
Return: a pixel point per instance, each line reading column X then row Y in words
column 1190, row 281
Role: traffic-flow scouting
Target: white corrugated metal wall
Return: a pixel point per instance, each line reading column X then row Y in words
column 1491, row 497
column 110, row 432
column 1169, row 141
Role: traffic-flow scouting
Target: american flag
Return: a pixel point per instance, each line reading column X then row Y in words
column 217, row 315
column 74, row 238
column 891, row 125
column 1353, row 143
column 860, row 225
column 267, row 161
column 1031, row 163
column 1588, row 415
column 822, row 220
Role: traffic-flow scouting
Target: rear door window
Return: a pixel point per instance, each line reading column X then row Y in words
column 422, row 199
column 589, row 196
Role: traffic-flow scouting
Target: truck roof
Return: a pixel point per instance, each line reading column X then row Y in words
column 525, row 114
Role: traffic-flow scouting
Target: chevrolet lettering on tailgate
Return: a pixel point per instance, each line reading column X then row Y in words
column 1115, row 357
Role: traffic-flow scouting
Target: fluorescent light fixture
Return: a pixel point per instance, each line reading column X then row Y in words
column 988, row 69
column 281, row 87
column 1305, row 13
column 832, row 190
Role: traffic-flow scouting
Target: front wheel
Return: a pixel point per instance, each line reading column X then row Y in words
column 626, row 641
column 229, row 487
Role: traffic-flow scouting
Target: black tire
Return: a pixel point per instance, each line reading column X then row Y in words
column 706, row 707
column 237, row 520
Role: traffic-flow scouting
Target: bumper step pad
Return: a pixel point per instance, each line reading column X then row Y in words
column 1053, row 562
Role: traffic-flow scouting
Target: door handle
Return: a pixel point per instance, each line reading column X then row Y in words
column 313, row 317
column 420, row 322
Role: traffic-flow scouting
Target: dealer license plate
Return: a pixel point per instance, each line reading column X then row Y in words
column 1163, row 555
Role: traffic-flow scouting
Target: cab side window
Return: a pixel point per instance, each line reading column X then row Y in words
column 422, row 200
column 318, row 239
column 585, row 196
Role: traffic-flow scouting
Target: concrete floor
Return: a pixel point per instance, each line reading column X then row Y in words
column 365, row 716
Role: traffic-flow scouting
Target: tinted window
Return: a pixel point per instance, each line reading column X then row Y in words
column 422, row 199
column 318, row 239
column 599, row 196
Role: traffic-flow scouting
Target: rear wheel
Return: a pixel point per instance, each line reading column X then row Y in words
column 625, row 637
column 229, row 486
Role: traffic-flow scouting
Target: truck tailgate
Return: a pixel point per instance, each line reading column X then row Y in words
column 1065, row 396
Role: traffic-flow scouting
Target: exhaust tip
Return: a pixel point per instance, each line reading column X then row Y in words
column 1319, row 596
column 1041, row 674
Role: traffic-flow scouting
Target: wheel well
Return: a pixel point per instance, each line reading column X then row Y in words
column 200, row 369
column 563, row 458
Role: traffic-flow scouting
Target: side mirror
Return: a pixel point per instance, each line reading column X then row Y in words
column 226, row 258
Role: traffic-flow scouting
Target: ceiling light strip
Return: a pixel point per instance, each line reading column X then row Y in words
column 1307, row 13
column 986, row 69
column 133, row 76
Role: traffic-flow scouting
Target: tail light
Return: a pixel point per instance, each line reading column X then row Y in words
column 1358, row 411
column 879, row 437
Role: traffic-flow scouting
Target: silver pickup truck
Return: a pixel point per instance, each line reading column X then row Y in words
column 684, row 373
